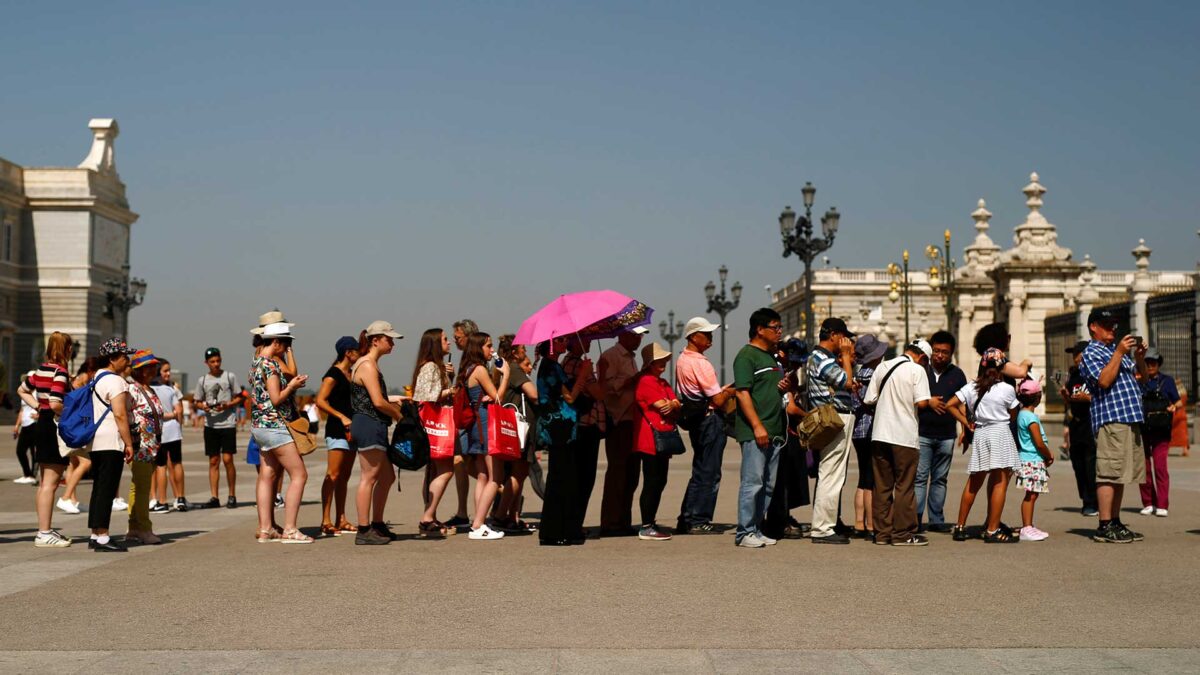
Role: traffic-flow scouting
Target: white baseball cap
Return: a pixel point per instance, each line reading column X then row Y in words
column 639, row 330
column 922, row 346
column 699, row 324
column 382, row 328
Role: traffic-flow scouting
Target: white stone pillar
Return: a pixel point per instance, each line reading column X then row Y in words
column 1140, row 291
column 1088, row 296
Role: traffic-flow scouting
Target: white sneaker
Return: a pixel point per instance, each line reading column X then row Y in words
column 25, row 480
column 1148, row 511
column 153, row 503
column 1032, row 534
column 66, row 506
column 767, row 540
column 120, row 504
column 485, row 533
column 752, row 541
column 51, row 539
column 1161, row 513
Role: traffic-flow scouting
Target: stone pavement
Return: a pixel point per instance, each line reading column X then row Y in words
column 212, row 600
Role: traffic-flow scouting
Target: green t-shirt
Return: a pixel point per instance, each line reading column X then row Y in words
column 757, row 372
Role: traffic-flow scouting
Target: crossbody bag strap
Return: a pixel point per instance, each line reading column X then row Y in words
column 888, row 375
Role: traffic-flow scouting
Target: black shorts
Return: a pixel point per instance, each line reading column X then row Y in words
column 866, row 470
column 47, row 453
column 172, row 449
column 220, row 442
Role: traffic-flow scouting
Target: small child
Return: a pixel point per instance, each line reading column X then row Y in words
column 1035, row 456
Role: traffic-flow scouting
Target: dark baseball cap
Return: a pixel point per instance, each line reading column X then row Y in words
column 1103, row 316
column 345, row 344
column 1078, row 347
column 835, row 325
column 211, row 352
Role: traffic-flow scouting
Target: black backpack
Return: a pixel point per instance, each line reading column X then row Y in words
column 1158, row 418
column 410, row 445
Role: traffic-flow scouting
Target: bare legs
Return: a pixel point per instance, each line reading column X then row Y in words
column 462, row 484
column 79, row 466
column 443, row 470
column 1027, row 508
column 376, row 475
column 333, row 488
column 45, row 494
column 997, row 482
column 283, row 458
column 486, row 487
column 864, row 501
column 1109, row 496
column 514, row 486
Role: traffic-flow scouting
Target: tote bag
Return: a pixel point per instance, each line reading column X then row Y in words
column 438, row 421
column 503, row 439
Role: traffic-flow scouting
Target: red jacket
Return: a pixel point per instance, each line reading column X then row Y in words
column 651, row 389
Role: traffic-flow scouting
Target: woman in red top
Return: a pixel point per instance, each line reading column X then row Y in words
column 658, row 405
column 51, row 384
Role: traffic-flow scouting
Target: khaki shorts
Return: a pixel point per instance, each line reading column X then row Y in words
column 1119, row 454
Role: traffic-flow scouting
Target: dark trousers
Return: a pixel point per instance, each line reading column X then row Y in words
column 895, row 485
column 559, row 504
column 586, row 449
column 708, row 450
column 791, row 488
column 26, row 445
column 654, row 479
column 621, row 478
column 106, row 478
column 1083, row 463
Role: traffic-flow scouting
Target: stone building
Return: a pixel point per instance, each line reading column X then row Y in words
column 65, row 248
column 1035, row 281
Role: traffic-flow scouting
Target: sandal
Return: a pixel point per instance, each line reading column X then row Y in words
column 524, row 526
column 295, row 537
column 959, row 533
column 999, row 536
column 266, row 536
column 328, row 530
column 446, row 529
column 346, row 528
column 431, row 530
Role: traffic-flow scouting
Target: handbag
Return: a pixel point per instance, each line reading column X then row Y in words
column 440, row 429
column 668, row 443
column 820, row 427
column 503, row 440
column 522, row 420
column 305, row 442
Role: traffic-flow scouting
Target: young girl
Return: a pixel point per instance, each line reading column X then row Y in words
column 994, row 405
column 473, row 376
column 1035, row 456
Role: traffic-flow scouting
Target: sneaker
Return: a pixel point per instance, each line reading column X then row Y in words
column 212, row 503
column 1133, row 536
column 67, row 506
column 385, row 531
column 767, row 540
column 370, row 538
column 153, row 503
column 959, row 533
column 1031, row 533
column 1089, row 512
column 1111, row 534
column 704, row 528
column 652, row 533
column 278, row 501
column 1147, row 511
column 26, row 480
column 915, row 540
column 159, row 508
column 1161, row 513
column 484, row 533
column 51, row 539
column 120, row 504
column 834, row 538
column 181, row 504
column 752, row 541
column 231, row 503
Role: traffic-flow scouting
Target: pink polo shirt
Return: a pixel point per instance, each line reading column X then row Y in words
column 695, row 376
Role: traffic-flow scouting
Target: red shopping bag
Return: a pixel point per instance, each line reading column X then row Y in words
column 503, row 439
column 438, row 421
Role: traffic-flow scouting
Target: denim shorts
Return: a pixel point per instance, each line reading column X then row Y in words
column 369, row 433
column 269, row 438
column 336, row 444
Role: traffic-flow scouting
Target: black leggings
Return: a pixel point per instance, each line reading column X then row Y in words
column 106, row 478
column 26, row 445
column 654, row 479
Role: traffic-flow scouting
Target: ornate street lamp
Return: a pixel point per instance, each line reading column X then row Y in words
column 798, row 239
column 901, row 289
column 941, row 277
column 123, row 295
column 671, row 330
column 718, row 303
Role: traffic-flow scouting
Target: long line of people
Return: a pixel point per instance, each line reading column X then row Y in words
column 791, row 411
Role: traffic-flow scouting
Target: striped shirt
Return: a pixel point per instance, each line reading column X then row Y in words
column 827, row 382
column 1121, row 402
column 50, row 383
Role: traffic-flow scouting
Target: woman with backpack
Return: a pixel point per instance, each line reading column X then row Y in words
column 373, row 413
column 112, row 446
column 79, row 463
column 50, row 385
column 475, row 394
column 993, row 405
column 431, row 384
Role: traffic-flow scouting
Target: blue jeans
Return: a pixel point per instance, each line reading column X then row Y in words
column 708, row 449
column 933, row 467
column 758, row 480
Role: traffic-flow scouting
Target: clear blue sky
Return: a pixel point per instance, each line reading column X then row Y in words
column 425, row 163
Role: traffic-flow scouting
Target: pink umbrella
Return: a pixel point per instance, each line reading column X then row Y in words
column 594, row 314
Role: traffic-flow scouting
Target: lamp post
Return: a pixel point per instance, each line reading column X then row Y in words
column 798, row 239
column 721, row 306
column 941, row 277
column 900, row 288
column 123, row 295
column 671, row 330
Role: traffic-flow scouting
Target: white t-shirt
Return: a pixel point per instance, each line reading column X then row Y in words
column 108, row 388
column 996, row 403
column 28, row 415
column 895, row 419
column 169, row 396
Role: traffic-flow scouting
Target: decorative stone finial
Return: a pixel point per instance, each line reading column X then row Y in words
column 1141, row 255
column 981, row 255
column 1142, row 283
column 1036, row 239
column 100, row 158
column 1087, row 278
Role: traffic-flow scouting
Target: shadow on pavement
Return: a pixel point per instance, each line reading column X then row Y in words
column 172, row 537
column 1086, row 533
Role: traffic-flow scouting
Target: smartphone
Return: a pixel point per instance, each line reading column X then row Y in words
column 1138, row 339
column 1058, row 377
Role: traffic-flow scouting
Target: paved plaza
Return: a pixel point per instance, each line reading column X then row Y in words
column 211, row 599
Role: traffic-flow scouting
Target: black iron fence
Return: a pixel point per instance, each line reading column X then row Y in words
column 1061, row 333
column 1172, row 319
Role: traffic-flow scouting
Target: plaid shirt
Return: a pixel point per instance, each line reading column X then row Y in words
column 827, row 382
column 862, row 417
column 596, row 416
column 1122, row 402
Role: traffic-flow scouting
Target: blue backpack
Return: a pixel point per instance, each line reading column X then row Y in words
column 76, row 426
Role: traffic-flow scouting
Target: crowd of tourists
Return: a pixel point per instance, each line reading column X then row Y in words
column 796, row 411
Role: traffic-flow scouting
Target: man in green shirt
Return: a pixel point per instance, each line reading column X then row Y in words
column 761, row 426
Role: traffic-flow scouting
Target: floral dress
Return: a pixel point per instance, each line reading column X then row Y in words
column 263, row 413
column 148, row 420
